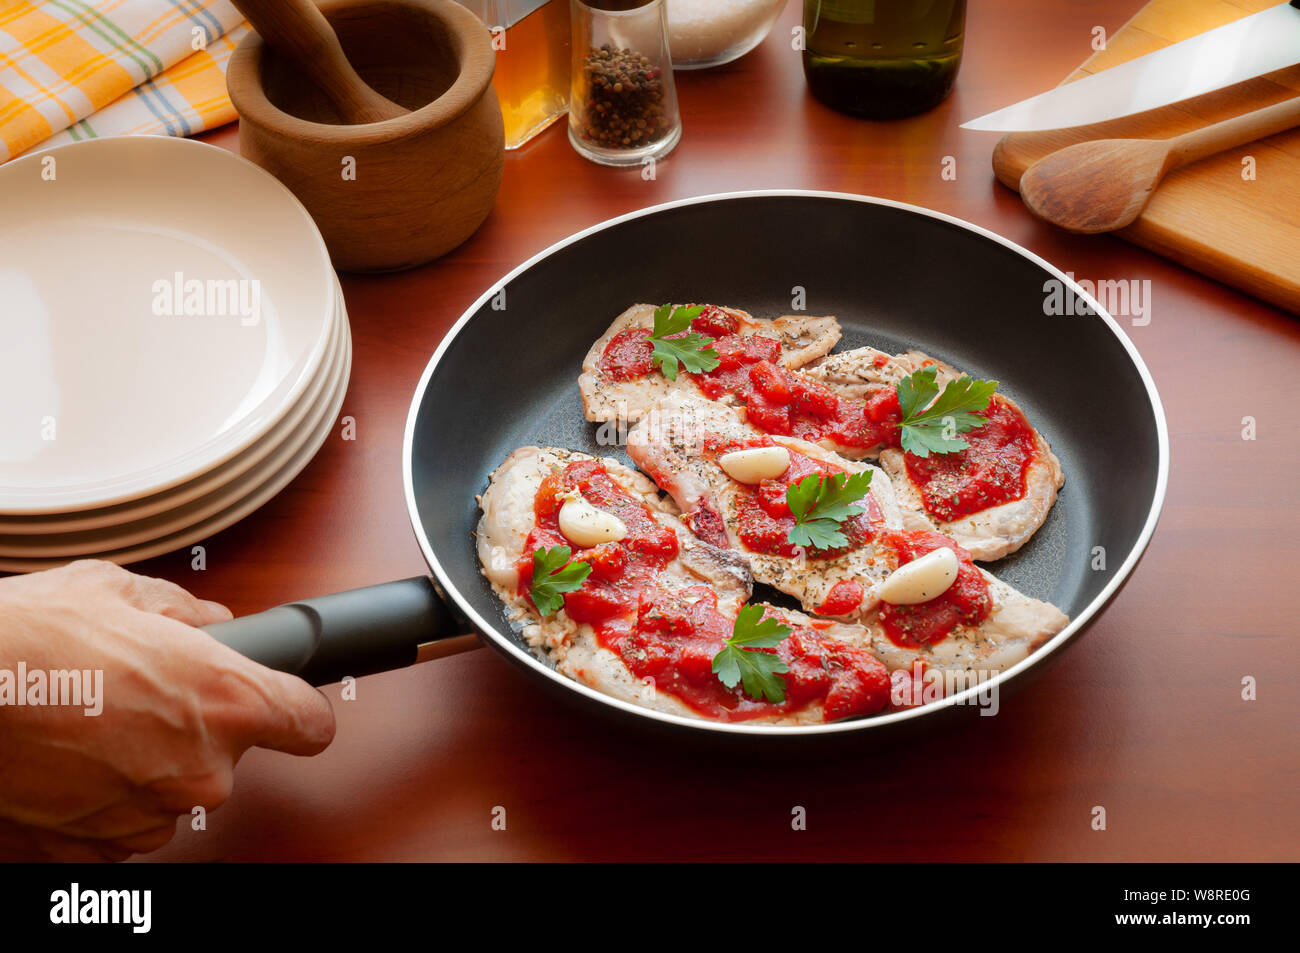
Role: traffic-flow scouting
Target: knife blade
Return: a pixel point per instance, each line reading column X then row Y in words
column 1240, row 50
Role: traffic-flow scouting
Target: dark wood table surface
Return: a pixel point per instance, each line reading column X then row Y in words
column 1145, row 717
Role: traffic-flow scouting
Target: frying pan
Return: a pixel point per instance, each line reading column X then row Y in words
column 897, row 276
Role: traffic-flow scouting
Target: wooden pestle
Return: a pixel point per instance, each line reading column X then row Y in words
column 296, row 29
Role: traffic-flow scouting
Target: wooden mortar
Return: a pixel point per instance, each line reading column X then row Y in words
column 397, row 193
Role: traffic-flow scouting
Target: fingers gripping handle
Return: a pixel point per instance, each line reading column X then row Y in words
column 355, row 633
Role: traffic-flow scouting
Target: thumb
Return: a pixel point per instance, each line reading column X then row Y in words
column 300, row 719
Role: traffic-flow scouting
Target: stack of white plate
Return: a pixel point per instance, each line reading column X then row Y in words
column 174, row 347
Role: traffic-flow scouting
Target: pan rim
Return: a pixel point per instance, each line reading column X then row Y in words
column 507, row 644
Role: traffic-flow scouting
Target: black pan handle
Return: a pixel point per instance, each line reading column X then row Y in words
column 357, row 632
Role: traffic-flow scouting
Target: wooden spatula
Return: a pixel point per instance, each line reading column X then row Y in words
column 298, row 30
column 1103, row 185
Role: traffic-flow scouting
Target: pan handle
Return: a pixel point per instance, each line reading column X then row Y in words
column 357, row 632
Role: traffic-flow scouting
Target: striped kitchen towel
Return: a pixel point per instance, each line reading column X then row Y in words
column 76, row 69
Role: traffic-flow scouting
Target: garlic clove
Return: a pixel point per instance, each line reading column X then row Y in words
column 922, row 579
column 584, row 525
column 755, row 464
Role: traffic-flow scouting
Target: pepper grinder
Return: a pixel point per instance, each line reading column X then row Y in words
column 623, row 103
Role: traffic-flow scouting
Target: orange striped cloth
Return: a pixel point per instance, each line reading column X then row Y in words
column 78, row 69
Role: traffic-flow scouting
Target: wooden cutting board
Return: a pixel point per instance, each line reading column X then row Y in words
column 1207, row 216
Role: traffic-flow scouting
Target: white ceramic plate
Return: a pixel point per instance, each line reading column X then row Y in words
column 247, row 497
column 122, row 514
column 166, row 303
column 137, row 531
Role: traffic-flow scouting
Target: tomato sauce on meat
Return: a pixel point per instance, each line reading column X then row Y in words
column 672, row 637
column 628, row 355
column 765, row 518
column 993, row 470
column 965, row 602
column 765, row 523
column 679, row 633
column 780, row 402
column 845, row 596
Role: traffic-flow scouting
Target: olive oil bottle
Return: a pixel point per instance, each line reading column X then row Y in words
column 882, row 59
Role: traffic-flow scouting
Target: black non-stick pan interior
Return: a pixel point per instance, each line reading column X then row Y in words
column 894, row 277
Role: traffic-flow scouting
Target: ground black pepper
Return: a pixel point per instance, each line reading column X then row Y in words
column 625, row 99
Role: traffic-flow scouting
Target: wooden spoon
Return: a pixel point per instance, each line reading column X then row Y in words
column 1103, row 185
column 298, row 30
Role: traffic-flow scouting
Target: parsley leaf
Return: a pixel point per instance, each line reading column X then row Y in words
column 552, row 578
column 759, row 673
column 931, row 429
column 693, row 351
column 820, row 504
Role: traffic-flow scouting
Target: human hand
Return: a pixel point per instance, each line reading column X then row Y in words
column 178, row 711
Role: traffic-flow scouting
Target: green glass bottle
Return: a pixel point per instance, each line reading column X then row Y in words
column 882, row 59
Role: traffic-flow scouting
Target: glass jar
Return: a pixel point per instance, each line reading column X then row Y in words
column 882, row 59
column 622, row 103
column 704, row 33
column 531, row 39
